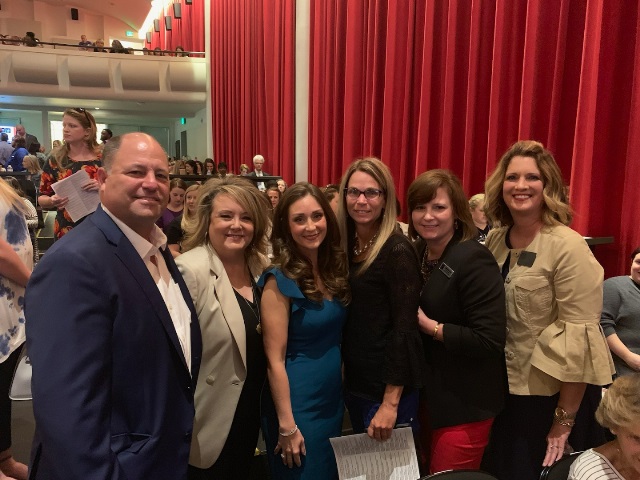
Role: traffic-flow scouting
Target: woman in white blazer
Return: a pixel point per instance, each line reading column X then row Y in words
column 224, row 254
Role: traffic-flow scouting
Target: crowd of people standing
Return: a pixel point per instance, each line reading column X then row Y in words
column 308, row 301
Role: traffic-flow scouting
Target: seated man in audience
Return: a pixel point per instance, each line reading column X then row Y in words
column 84, row 43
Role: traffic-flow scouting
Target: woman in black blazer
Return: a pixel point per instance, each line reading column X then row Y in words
column 462, row 317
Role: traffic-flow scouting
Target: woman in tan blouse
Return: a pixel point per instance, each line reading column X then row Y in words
column 553, row 286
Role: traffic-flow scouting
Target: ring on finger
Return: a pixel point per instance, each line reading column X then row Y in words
column 283, row 456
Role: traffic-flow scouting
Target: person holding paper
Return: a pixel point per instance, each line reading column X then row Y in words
column 80, row 151
column 381, row 346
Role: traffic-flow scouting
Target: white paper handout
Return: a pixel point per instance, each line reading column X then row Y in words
column 81, row 203
column 362, row 458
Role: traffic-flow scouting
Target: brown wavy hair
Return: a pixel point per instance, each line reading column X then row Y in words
column 555, row 206
column 333, row 267
column 424, row 188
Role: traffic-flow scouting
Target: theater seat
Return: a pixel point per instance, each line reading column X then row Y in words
column 560, row 469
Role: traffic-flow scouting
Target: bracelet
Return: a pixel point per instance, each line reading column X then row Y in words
column 564, row 418
column 435, row 330
column 290, row 432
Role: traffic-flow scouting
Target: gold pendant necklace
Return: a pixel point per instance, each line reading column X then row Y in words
column 255, row 300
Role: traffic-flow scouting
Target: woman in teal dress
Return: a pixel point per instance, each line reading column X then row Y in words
column 303, row 311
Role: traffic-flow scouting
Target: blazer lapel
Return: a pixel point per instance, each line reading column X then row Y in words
column 225, row 294
column 196, row 336
column 129, row 256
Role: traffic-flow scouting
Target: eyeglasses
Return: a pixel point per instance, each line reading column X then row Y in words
column 369, row 193
column 82, row 110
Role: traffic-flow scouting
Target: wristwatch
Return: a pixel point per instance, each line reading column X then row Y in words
column 561, row 416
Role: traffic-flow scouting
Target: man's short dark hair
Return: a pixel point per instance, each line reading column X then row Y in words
column 4, row 137
column 34, row 148
column 110, row 150
column 108, row 131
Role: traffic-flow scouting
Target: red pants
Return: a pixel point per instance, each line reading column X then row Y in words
column 459, row 447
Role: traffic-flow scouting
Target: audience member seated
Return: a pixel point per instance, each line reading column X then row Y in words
column 31, row 164
column 463, row 321
column 619, row 411
column 180, row 52
column 5, row 149
column 282, row 185
column 222, row 170
column 244, row 169
column 30, row 215
column 224, row 255
column 210, row 167
column 476, row 205
column 30, row 40
column 175, row 231
column 19, row 152
column 553, row 285
column 158, row 52
column 99, row 46
column 177, row 189
column 333, row 196
column 620, row 317
column 273, row 194
column 84, row 43
column 116, row 47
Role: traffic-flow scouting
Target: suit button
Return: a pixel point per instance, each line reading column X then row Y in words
column 209, row 380
column 235, row 382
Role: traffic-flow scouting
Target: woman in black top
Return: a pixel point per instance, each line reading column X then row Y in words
column 463, row 321
column 382, row 350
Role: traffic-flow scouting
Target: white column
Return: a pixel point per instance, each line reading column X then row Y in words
column 302, row 91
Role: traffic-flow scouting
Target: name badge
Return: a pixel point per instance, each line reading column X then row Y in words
column 446, row 269
column 526, row 259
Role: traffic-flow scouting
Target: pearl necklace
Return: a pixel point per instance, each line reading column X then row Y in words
column 357, row 252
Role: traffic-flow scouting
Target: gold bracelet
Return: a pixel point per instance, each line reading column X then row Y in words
column 562, row 417
column 290, row 432
column 435, row 330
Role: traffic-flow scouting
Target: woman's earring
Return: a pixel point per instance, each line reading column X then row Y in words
column 455, row 224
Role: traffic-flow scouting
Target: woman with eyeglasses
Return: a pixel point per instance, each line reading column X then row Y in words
column 382, row 349
column 80, row 151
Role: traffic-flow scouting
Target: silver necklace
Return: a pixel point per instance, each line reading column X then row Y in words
column 357, row 252
column 257, row 307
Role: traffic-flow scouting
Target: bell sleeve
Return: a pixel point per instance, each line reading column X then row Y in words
column 573, row 348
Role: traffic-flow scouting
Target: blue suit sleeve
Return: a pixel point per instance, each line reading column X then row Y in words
column 69, row 338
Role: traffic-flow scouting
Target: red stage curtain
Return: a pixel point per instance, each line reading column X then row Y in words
column 252, row 83
column 451, row 84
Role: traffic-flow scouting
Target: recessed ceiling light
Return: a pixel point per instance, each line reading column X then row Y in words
column 97, row 108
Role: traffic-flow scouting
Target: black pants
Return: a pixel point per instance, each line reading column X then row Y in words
column 6, row 375
column 518, row 439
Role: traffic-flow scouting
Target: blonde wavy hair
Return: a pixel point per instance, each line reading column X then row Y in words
column 555, row 206
column 620, row 405
column 187, row 216
column 245, row 194
column 9, row 196
column 382, row 175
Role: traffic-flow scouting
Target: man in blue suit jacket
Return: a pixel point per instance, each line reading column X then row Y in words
column 113, row 335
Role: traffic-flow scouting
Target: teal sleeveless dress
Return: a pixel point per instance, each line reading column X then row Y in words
column 313, row 365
